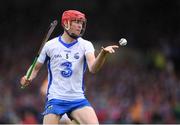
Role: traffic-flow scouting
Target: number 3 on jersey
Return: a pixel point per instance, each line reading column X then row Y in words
column 67, row 72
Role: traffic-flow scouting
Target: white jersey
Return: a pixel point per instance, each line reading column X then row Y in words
column 66, row 67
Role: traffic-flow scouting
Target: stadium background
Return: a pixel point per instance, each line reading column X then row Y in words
column 138, row 84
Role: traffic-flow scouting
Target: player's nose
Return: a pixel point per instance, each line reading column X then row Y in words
column 79, row 26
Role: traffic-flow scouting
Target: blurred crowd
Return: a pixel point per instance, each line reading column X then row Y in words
column 127, row 93
column 134, row 86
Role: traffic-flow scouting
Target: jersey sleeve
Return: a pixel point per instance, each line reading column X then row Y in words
column 43, row 54
column 89, row 48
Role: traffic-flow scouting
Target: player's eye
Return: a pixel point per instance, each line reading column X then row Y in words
column 78, row 21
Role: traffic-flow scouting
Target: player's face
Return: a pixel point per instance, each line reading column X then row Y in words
column 76, row 27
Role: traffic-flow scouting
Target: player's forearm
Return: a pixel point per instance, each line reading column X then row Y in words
column 33, row 75
column 99, row 61
column 27, row 79
column 35, row 71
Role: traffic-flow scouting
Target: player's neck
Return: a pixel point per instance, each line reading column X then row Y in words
column 66, row 38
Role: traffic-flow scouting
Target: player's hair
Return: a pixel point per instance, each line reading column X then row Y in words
column 71, row 15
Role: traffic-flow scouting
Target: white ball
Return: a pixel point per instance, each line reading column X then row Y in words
column 122, row 41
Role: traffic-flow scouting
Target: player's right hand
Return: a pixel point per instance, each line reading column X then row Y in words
column 24, row 81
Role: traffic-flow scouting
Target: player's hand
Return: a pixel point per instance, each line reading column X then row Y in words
column 24, row 81
column 110, row 49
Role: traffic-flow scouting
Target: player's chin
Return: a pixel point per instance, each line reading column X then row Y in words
column 77, row 33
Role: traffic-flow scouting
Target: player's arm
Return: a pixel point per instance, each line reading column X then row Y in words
column 24, row 81
column 95, row 63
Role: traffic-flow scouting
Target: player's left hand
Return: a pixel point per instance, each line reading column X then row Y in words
column 110, row 49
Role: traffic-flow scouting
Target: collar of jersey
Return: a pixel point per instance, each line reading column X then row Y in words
column 67, row 44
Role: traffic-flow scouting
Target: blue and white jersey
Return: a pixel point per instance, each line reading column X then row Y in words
column 66, row 66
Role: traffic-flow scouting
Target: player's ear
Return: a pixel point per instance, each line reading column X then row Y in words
column 67, row 25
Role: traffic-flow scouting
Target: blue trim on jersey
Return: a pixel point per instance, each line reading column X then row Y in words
column 68, row 45
column 60, row 107
column 84, row 65
column 47, row 58
column 84, row 69
column 50, row 76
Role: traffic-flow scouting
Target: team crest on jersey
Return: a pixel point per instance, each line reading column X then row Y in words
column 76, row 55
